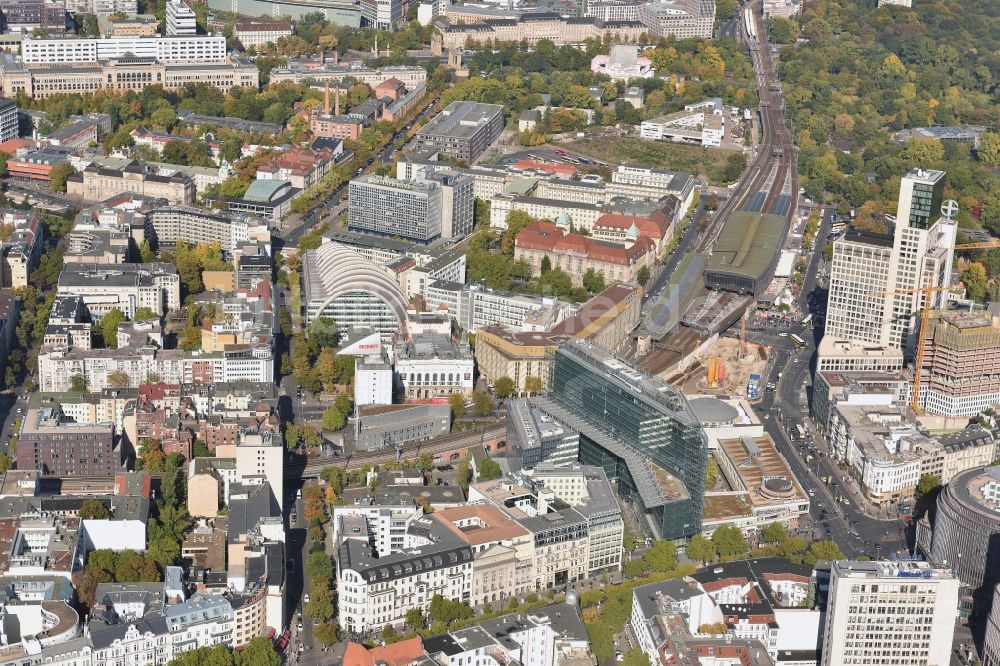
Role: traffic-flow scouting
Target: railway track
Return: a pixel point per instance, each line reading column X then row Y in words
column 775, row 159
column 435, row 446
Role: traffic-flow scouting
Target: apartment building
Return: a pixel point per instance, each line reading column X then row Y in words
column 913, row 621
column 175, row 49
column 165, row 226
column 474, row 306
column 54, row 445
column 463, row 130
column 256, row 32
column 20, row 254
column 24, row 16
column 613, row 11
column 302, row 167
column 374, row 592
column 126, row 287
column 388, row 526
column 502, row 551
column 586, row 488
column 97, row 183
column 576, row 254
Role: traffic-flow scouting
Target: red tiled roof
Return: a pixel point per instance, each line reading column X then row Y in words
column 395, row 654
column 547, row 237
column 651, row 227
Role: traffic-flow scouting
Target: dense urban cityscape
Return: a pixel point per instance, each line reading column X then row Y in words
column 499, row 332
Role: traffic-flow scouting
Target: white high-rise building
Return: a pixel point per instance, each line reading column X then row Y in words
column 899, row 613
column 260, row 456
column 869, row 269
column 181, row 19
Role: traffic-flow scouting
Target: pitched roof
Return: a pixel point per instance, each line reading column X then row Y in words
column 546, row 236
column 394, row 654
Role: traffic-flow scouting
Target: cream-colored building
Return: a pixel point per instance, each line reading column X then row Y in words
column 502, row 551
column 120, row 75
column 532, row 29
column 607, row 319
column 97, row 183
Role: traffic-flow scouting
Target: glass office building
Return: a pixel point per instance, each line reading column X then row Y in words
column 639, row 429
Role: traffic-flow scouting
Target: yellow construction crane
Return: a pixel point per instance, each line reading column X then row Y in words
column 925, row 316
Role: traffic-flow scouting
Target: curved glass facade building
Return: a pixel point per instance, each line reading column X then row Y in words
column 342, row 284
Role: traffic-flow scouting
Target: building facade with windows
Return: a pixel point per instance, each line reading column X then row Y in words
column 889, row 612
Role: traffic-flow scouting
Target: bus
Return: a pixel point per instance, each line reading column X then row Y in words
column 800, row 431
column 807, row 320
column 799, row 342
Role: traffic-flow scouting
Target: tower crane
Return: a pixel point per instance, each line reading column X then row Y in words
column 925, row 316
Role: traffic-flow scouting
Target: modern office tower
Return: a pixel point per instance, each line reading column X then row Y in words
column 423, row 211
column 180, row 19
column 8, row 120
column 868, row 268
column 899, row 613
column 639, row 429
column 381, row 14
column 990, row 653
column 963, row 532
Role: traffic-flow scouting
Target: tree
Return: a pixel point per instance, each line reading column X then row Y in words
column 447, row 611
column 258, row 652
column 323, row 332
column 975, row 281
column 661, row 557
column 593, row 281
column 93, row 509
column 774, row 533
column 823, row 550
column 78, row 384
column 635, row 657
column 642, row 277
column 145, row 314
column 532, row 384
column 6, row 463
column 135, row 568
column 319, row 567
column 463, row 472
column 58, row 176
column 414, row 619
column 783, row 31
column 503, row 387
column 711, row 473
column 482, row 404
column 457, row 401
column 989, row 148
column 119, row 379
column 516, row 221
column 729, row 541
column 701, row 549
column 146, row 254
column 109, row 327
column 326, row 633
column 320, row 606
column 927, row 484
column 546, row 264
column 333, row 419
column 489, row 470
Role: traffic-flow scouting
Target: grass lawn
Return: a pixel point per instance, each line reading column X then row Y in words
column 706, row 163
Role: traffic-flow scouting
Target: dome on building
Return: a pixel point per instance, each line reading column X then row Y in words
column 633, row 231
column 712, row 411
column 564, row 220
column 333, row 271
